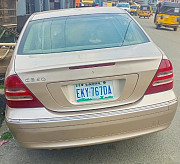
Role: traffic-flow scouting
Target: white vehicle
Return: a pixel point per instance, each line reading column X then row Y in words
column 124, row 6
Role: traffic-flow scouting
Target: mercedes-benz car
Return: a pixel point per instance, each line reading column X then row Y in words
column 86, row 76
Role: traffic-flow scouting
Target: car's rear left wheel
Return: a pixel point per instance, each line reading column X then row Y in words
column 157, row 26
column 175, row 28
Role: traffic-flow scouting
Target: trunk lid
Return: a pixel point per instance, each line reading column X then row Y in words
column 54, row 78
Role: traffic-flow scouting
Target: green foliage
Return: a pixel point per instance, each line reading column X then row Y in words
column 6, row 136
column 1, row 86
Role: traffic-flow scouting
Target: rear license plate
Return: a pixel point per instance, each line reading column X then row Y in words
column 94, row 91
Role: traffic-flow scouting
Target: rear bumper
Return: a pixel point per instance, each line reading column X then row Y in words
column 144, row 15
column 169, row 25
column 89, row 129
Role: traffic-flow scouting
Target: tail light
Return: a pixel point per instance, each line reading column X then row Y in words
column 177, row 19
column 18, row 95
column 161, row 16
column 163, row 79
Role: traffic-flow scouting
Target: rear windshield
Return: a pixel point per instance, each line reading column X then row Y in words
column 145, row 8
column 133, row 7
column 170, row 10
column 76, row 33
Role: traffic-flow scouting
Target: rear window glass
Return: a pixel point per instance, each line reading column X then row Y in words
column 78, row 33
column 170, row 10
column 145, row 8
column 133, row 7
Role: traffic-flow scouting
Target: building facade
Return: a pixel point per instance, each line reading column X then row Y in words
column 30, row 6
column 155, row 2
column 8, row 12
column 176, row 1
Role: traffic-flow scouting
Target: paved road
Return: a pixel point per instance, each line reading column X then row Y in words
column 157, row 148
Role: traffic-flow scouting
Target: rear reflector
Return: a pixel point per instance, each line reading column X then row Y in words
column 18, row 95
column 163, row 79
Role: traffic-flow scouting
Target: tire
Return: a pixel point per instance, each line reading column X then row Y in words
column 139, row 16
column 175, row 28
column 148, row 17
column 157, row 26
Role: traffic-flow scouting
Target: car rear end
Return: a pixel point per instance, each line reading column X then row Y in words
column 168, row 20
column 144, row 11
column 93, row 85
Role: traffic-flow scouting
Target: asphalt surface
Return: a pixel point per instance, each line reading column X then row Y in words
column 157, row 148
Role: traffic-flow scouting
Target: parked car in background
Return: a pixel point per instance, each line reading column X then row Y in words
column 8, row 38
column 84, row 76
column 124, row 6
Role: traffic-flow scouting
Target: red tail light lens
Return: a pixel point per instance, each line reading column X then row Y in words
column 163, row 80
column 18, row 95
column 177, row 19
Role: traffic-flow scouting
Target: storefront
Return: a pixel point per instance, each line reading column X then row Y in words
column 30, row 6
column 27, row 7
